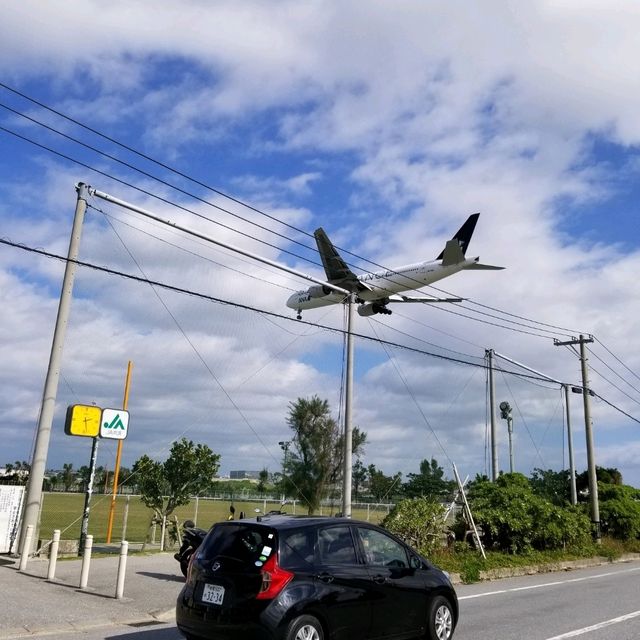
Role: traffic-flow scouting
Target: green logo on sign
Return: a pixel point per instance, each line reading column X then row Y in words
column 116, row 423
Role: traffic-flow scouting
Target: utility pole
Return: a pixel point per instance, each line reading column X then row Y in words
column 572, row 465
column 348, row 427
column 591, row 463
column 43, row 434
column 492, row 403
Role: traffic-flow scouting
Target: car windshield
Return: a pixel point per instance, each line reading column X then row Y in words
column 250, row 546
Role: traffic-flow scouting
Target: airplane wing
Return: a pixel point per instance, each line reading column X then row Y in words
column 401, row 298
column 335, row 267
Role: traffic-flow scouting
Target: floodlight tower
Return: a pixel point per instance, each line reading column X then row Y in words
column 505, row 414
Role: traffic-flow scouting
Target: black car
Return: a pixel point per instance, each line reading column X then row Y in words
column 312, row 578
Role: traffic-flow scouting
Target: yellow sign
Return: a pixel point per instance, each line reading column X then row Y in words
column 83, row 420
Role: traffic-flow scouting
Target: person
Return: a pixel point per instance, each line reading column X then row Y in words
column 232, row 511
column 242, row 515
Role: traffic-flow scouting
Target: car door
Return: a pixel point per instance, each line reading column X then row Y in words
column 399, row 605
column 343, row 583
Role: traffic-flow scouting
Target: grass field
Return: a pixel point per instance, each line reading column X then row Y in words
column 64, row 511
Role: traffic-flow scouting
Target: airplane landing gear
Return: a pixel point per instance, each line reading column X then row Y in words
column 299, row 316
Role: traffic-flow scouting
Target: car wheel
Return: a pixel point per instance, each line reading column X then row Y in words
column 304, row 628
column 440, row 623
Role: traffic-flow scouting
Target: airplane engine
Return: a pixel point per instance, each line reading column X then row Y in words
column 371, row 308
column 318, row 291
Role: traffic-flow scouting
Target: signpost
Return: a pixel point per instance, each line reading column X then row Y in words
column 93, row 422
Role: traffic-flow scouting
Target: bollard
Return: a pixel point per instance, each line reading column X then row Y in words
column 25, row 548
column 86, row 561
column 122, row 567
column 53, row 554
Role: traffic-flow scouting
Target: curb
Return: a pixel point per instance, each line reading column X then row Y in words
column 552, row 567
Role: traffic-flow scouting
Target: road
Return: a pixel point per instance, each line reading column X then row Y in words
column 600, row 603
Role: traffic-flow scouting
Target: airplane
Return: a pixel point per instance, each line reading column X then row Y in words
column 374, row 291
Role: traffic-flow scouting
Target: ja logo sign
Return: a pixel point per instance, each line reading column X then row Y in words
column 114, row 424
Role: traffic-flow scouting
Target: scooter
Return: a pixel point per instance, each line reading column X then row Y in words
column 192, row 537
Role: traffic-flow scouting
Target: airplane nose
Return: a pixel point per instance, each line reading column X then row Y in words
column 292, row 302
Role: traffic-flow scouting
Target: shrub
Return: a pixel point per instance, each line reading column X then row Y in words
column 620, row 511
column 419, row 522
column 513, row 519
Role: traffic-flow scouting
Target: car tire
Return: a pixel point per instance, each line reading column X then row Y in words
column 304, row 628
column 440, row 621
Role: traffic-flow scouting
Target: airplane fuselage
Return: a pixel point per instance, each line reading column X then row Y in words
column 381, row 284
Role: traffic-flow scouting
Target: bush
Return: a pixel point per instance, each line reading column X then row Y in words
column 515, row 520
column 419, row 522
column 620, row 511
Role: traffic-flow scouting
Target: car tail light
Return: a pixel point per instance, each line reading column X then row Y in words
column 274, row 579
column 190, row 568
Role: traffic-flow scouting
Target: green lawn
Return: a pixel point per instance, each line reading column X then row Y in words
column 64, row 511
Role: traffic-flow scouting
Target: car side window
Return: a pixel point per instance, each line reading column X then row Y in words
column 381, row 550
column 297, row 548
column 335, row 546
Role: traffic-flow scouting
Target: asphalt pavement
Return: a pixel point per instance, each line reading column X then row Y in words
column 31, row 605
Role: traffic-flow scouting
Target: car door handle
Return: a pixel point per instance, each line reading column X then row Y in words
column 380, row 579
column 325, row 577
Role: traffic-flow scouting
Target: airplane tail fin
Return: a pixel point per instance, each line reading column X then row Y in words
column 456, row 248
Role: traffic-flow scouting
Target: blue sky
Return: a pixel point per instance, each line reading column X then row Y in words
column 386, row 126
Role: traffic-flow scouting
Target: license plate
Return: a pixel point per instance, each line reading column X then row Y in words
column 212, row 594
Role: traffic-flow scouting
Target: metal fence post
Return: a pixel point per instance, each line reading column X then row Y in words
column 53, row 554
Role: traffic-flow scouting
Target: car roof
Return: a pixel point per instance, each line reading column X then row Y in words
column 287, row 521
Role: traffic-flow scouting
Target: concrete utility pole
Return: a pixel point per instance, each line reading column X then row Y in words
column 348, row 427
column 572, row 466
column 591, row 463
column 43, row 434
column 492, row 403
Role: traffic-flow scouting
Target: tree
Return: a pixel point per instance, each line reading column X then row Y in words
column 315, row 461
column 263, row 478
column 381, row 486
column 429, row 483
column 68, row 476
column 553, row 486
column 358, row 477
column 16, row 473
column 606, row 475
column 187, row 471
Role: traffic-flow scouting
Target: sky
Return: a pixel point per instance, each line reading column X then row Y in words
column 387, row 124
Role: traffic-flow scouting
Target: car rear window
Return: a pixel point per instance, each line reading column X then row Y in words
column 249, row 545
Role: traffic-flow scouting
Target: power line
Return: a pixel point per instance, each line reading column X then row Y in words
column 212, row 189
column 245, row 307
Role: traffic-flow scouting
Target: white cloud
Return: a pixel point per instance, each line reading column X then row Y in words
column 435, row 111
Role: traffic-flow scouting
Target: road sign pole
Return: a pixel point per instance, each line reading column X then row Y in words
column 84, row 529
column 116, row 473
